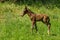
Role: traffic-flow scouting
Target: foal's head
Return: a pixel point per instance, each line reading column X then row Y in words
column 25, row 11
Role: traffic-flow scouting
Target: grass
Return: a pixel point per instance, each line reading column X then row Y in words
column 15, row 27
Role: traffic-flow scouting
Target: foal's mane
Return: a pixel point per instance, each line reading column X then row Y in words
column 30, row 11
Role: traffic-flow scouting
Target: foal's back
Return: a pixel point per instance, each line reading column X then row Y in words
column 41, row 17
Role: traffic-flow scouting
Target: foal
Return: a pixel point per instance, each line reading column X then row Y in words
column 37, row 17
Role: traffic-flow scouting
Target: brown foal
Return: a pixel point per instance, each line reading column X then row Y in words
column 37, row 17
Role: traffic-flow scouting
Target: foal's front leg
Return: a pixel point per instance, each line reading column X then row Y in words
column 36, row 27
column 33, row 25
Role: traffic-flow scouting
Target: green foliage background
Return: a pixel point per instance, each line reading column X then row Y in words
column 15, row 27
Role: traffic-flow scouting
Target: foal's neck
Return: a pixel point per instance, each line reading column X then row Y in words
column 30, row 13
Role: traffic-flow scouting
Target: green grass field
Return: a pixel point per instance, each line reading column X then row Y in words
column 15, row 27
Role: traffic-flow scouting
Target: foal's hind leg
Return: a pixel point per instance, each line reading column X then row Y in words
column 49, row 25
column 47, row 22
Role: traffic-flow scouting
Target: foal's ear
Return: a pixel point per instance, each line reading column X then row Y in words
column 25, row 7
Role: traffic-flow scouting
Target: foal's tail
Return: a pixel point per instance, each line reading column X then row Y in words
column 48, row 19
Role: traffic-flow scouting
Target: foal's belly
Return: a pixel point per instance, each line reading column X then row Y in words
column 39, row 18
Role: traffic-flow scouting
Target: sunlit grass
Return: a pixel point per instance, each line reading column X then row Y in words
column 15, row 27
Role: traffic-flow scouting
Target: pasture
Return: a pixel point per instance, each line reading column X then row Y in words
column 15, row 27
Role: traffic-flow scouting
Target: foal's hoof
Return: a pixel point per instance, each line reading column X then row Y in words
column 48, row 32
